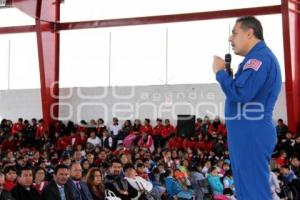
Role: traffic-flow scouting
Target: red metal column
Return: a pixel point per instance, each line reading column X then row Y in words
column 48, row 40
column 296, row 66
column 291, row 30
column 46, row 13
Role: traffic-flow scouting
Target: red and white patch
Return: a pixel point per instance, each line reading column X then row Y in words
column 252, row 64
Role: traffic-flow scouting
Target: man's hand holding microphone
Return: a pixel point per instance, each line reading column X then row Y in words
column 218, row 64
column 221, row 64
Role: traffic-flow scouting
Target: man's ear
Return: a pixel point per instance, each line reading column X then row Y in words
column 250, row 33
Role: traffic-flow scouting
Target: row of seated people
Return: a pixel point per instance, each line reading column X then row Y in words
column 125, row 177
column 143, row 177
column 178, row 166
column 98, row 134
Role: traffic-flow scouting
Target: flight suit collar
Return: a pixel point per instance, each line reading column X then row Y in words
column 257, row 46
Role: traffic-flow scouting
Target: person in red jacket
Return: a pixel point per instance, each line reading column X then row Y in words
column 168, row 129
column 175, row 142
column 60, row 144
column 200, row 143
column 17, row 127
column 146, row 142
column 81, row 139
column 208, row 143
column 281, row 159
column 9, row 144
column 40, row 130
column 216, row 127
column 83, row 127
column 157, row 132
column 147, row 127
column 71, row 138
column 189, row 142
column 100, row 127
column 10, row 173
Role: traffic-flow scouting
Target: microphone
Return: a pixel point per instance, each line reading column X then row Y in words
column 227, row 64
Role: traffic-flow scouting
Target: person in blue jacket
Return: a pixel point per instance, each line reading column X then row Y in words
column 215, row 182
column 250, row 99
column 173, row 187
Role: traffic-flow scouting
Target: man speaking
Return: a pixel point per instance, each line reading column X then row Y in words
column 250, row 100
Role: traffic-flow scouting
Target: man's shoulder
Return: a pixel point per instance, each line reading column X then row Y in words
column 70, row 182
column 265, row 55
column 109, row 177
column 84, row 184
column 7, row 195
column 257, row 61
column 50, row 188
column 17, row 188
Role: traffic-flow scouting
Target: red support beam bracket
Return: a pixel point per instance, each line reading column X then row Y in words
column 29, row 7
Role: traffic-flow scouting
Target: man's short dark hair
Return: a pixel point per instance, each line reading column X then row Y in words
column 60, row 166
column 140, row 165
column 248, row 22
column 128, row 166
column 168, row 172
column 276, row 170
column 285, row 167
column 26, row 168
column 116, row 160
column 9, row 168
column 73, row 163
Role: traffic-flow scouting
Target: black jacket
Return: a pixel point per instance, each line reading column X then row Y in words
column 5, row 195
column 116, row 183
column 20, row 193
column 51, row 192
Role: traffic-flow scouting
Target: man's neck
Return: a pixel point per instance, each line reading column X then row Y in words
column 252, row 44
column 26, row 187
column 75, row 179
column 58, row 185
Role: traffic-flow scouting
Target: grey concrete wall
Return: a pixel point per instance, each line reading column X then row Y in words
column 165, row 101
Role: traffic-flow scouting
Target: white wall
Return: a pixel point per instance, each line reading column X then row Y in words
column 165, row 101
column 20, row 103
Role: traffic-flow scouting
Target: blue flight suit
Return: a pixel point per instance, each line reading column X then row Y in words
column 250, row 100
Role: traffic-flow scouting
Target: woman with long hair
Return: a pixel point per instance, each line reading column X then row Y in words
column 95, row 183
